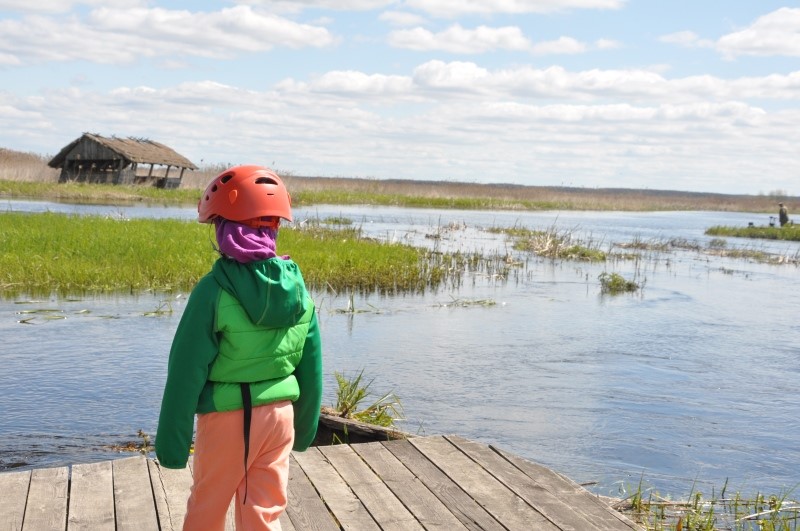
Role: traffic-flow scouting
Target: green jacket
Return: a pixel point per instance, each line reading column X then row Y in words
column 251, row 322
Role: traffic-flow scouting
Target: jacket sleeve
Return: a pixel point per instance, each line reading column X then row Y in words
column 309, row 377
column 194, row 347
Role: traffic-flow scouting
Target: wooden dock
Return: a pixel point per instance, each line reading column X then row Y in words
column 439, row 482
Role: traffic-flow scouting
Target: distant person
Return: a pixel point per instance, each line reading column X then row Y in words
column 246, row 358
column 783, row 214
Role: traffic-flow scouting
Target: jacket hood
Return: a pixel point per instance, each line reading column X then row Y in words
column 272, row 292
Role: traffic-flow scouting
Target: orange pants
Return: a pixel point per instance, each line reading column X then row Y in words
column 219, row 469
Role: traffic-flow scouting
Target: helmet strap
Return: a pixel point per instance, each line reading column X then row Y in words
column 271, row 222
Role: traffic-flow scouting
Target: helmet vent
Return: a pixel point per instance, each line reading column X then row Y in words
column 266, row 180
column 214, row 188
column 225, row 178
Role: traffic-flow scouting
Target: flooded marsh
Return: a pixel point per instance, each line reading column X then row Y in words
column 685, row 382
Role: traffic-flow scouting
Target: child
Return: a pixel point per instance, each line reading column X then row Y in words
column 246, row 358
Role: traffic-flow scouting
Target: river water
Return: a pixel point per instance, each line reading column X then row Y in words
column 689, row 382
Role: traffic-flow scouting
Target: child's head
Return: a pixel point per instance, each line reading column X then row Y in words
column 250, row 195
column 246, row 204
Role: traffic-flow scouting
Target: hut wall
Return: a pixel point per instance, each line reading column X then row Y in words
column 111, row 161
column 126, row 176
column 93, row 163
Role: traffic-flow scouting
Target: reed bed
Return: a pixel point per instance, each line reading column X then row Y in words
column 720, row 511
column 553, row 243
column 89, row 193
column 21, row 166
column 42, row 254
column 17, row 167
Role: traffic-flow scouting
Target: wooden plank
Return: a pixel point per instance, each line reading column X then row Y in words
column 133, row 495
column 91, row 498
column 554, row 508
column 508, row 508
column 306, row 510
column 580, row 499
column 47, row 500
column 382, row 504
column 334, row 429
column 286, row 523
column 171, row 490
column 463, row 507
column 427, row 508
column 346, row 508
column 14, row 486
column 230, row 516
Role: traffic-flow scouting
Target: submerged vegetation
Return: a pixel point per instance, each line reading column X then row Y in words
column 720, row 511
column 64, row 254
column 614, row 283
column 552, row 243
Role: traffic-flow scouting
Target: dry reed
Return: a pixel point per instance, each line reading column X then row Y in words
column 18, row 166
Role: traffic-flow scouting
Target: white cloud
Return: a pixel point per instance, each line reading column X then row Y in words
column 607, row 44
column 562, row 45
column 454, row 75
column 455, row 8
column 296, row 6
column 220, row 34
column 774, row 34
column 463, row 80
column 440, row 8
column 505, row 132
column 457, row 39
column 402, row 18
column 777, row 33
column 361, row 84
column 687, row 39
column 9, row 60
column 362, row 109
column 63, row 6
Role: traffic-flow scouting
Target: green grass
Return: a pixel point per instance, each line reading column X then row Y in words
column 351, row 197
column 614, row 283
column 64, row 254
column 787, row 232
column 353, row 391
column 104, row 193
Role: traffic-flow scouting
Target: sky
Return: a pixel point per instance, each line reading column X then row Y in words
column 649, row 94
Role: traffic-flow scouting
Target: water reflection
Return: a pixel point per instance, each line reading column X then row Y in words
column 693, row 379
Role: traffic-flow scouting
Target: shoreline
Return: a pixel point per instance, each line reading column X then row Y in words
column 308, row 191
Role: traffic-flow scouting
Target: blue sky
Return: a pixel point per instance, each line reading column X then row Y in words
column 678, row 95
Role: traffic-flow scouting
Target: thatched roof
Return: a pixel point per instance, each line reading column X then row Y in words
column 139, row 150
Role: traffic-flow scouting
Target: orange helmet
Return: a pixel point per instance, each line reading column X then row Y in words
column 246, row 194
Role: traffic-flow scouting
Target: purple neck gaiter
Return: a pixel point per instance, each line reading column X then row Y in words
column 243, row 243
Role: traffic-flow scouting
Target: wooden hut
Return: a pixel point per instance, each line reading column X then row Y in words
column 98, row 159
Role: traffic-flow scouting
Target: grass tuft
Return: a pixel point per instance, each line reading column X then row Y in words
column 787, row 232
column 352, row 392
column 717, row 512
column 614, row 283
